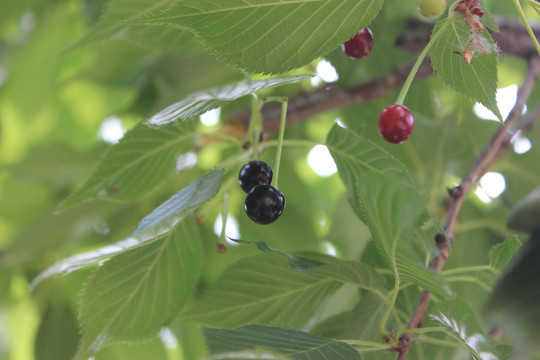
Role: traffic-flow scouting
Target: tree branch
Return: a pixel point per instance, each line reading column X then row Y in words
column 512, row 40
column 496, row 146
column 331, row 97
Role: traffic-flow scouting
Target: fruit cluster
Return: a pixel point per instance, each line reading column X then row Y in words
column 264, row 203
column 396, row 122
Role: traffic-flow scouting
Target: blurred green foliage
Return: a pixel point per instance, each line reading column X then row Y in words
column 53, row 102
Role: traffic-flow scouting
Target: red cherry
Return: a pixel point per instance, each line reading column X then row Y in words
column 360, row 45
column 396, row 123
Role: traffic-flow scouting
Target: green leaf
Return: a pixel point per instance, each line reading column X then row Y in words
column 476, row 81
column 501, row 254
column 355, row 156
column 57, row 165
column 163, row 39
column 260, row 290
column 57, row 336
column 297, row 263
column 133, row 295
column 270, row 36
column 381, row 193
column 168, row 214
column 513, row 303
column 158, row 38
column 335, row 327
column 499, row 257
column 143, row 158
column 459, row 320
column 392, row 212
column 295, row 345
column 355, row 273
column 365, row 318
column 201, row 101
column 151, row 349
column 149, row 229
column 266, row 289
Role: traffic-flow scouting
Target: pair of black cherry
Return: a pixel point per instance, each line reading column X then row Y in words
column 264, row 203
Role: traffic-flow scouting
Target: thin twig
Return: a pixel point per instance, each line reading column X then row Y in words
column 457, row 195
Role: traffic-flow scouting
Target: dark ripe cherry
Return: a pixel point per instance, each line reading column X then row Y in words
column 360, row 45
column 264, row 204
column 396, row 123
column 254, row 173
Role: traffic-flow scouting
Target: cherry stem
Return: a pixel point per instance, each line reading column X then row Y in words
column 420, row 330
column 391, row 301
column 255, row 125
column 527, row 26
column 421, row 57
column 452, row 7
column 371, row 345
column 224, row 216
column 284, row 102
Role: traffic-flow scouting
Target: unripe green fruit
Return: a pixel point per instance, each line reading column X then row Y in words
column 431, row 8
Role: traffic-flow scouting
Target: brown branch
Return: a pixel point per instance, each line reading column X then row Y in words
column 331, row 97
column 512, row 40
column 487, row 157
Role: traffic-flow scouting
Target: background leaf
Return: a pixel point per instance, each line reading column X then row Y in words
column 459, row 320
column 392, row 212
column 358, row 323
column 160, row 38
column 499, row 257
column 261, row 290
column 151, row 349
column 57, row 336
column 53, row 118
column 355, row 273
column 390, row 208
column 135, row 294
column 142, row 159
column 181, row 203
column 513, row 303
column 295, row 345
column 270, row 36
column 150, row 228
column 355, row 156
column 478, row 80
column 501, row 254
column 201, row 101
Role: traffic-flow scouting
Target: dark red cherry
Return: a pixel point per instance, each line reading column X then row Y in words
column 396, row 123
column 360, row 45
column 254, row 173
column 264, row 204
